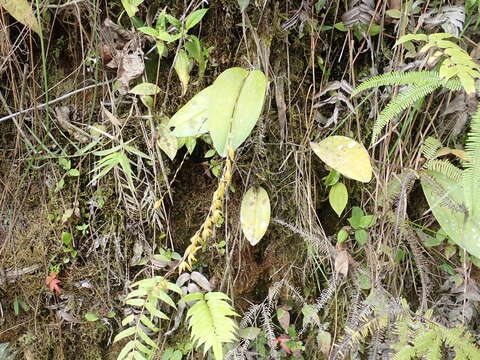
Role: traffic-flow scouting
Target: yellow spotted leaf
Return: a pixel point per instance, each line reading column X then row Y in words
column 346, row 156
column 166, row 141
column 255, row 214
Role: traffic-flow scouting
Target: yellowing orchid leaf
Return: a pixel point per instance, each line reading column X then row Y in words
column 346, row 156
column 255, row 214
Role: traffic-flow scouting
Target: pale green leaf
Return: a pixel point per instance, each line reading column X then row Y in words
column 338, row 197
column 346, row 156
column 255, row 214
column 128, row 319
column 145, row 89
column 191, row 119
column 89, row 316
column 243, row 4
column 149, row 31
column 182, row 68
column 22, row 11
column 124, row 333
column 342, row 236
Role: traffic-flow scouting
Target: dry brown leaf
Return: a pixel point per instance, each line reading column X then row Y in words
column 342, row 260
column 114, row 38
column 130, row 64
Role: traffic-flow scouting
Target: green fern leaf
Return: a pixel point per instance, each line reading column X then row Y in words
column 401, row 102
column 145, row 295
column 210, row 322
column 398, row 78
column 446, row 168
column 430, row 147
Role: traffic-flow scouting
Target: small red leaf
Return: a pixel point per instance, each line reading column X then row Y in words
column 52, row 283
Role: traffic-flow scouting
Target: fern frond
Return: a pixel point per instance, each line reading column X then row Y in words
column 210, row 321
column 401, row 102
column 430, row 147
column 446, row 168
column 398, row 78
column 407, row 352
column 471, row 176
column 146, row 296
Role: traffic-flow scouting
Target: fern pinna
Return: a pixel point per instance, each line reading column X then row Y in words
column 145, row 299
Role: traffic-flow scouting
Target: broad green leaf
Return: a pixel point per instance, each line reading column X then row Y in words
column 342, row 236
column 167, row 141
column 446, row 200
column 223, row 98
column 191, row 119
column 346, row 156
column 194, row 18
column 255, row 214
column 248, row 107
column 394, row 13
column 22, row 11
column 332, row 178
column 182, row 68
column 236, row 101
column 361, row 236
column 338, row 197
column 145, row 89
column 131, row 6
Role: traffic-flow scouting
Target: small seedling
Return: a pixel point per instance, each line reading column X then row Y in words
column 359, row 223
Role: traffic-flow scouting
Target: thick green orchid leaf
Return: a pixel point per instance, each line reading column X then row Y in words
column 236, row 101
column 248, row 108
